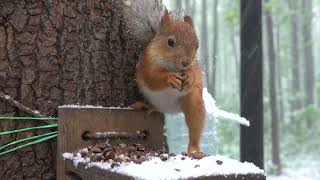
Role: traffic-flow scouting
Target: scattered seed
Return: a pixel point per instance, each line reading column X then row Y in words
column 109, row 155
column 163, row 157
column 96, row 150
column 184, row 154
column 102, row 146
column 116, row 154
column 138, row 161
column 219, row 162
column 83, row 153
column 95, row 158
column 122, row 145
column 114, row 165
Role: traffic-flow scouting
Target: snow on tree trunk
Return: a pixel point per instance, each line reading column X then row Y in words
column 60, row 52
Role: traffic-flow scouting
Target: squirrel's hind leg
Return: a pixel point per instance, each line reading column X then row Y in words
column 194, row 111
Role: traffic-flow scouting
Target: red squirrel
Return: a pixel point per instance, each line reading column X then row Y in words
column 168, row 73
column 169, row 76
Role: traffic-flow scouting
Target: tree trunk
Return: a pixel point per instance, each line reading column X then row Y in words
column 295, row 70
column 273, row 95
column 178, row 4
column 235, row 51
column 190, row 7
column 204, row 40
column 60, row 52
column 215, row 37
column 278, row 74
column 309, row 75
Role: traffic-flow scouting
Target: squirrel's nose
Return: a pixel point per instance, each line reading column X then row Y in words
column 185, row 64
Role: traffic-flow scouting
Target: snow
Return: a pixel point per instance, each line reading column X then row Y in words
column 109, row 133
column 210, row 105
column 306, row 171
column 211, row 108
column 76, row 159
column 103, row 134
column 174, row 167
column 79, row 106
column 90, row 106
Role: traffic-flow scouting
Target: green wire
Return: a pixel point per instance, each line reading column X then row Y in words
column 29, row 144
column 45, row 136
column 26, row 139
column 28, row 129
column 27, row 118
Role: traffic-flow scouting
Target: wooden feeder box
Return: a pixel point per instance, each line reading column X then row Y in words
column 75, row 123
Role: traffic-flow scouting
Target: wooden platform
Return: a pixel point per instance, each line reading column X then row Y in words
column 94, row 173
column 74, row 122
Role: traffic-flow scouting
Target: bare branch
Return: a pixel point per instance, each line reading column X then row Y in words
column 21, row 107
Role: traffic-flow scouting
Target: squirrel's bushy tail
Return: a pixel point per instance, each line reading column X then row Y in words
column 143, row 18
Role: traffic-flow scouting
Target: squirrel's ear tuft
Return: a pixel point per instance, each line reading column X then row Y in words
column 188, row 20
column 165, row 18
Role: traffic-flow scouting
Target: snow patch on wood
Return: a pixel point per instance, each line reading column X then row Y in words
column 174, row 168
column 90, row 106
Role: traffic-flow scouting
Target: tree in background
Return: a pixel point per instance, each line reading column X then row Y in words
column 232, row 17
column 295, row 55
column 273, row 93
column 309, row 74
column 278, row 73
column 178, row 4
column 204, row 41
column 190, row 7
column 215, row 37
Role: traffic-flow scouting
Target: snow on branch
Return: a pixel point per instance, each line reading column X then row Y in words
column 211, row 108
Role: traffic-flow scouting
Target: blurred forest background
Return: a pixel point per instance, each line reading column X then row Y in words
column 291, row 40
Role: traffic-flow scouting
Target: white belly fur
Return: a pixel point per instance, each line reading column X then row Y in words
column 166, row 101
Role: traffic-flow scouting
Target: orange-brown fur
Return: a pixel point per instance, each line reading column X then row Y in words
column 160, row 68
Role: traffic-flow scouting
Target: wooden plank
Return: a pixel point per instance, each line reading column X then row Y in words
column 251, row 82
column 93, row 173
column 81, row 172
column 73, row 122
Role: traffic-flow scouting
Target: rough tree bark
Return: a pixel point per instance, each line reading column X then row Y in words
column 309, row 74
column 60, row 52
column 273, row 94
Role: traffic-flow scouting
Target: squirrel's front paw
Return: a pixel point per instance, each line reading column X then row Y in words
column 175, row 80
column 188, row 81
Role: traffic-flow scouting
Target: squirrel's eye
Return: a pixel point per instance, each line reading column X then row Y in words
column 171, row 41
